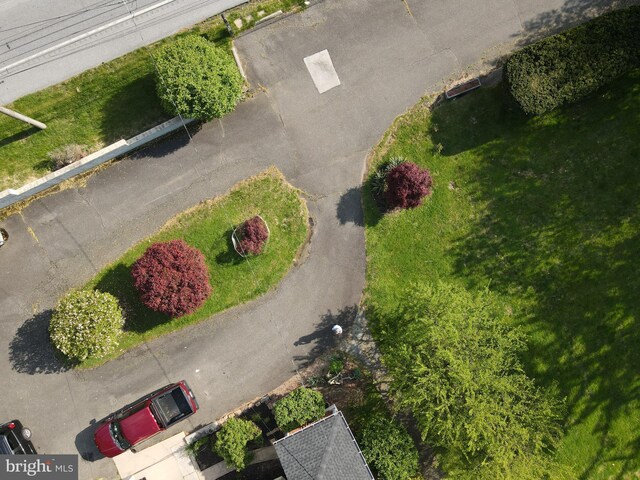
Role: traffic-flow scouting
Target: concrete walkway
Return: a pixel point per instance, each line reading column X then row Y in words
column 386, row 55
column 167, row 460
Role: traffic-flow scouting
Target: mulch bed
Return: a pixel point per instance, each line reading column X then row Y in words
column 262, row 416
column 205, row 457
column 268, row 470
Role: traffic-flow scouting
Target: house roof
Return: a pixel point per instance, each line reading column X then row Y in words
column 324, row 450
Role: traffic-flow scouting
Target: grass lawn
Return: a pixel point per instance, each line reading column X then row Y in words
column 546, row 212
column 208, row 227
column 98, row 107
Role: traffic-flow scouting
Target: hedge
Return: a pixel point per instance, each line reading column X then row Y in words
column 300, row 407
column 196, row 79
column 566, row 67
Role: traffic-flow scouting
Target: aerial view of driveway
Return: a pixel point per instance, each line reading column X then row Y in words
column 385, row 56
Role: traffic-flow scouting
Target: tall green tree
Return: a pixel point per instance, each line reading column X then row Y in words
column 453, row 359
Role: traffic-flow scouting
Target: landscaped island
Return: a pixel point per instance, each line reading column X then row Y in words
column 199, row 240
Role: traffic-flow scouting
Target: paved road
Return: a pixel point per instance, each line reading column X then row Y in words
column 43, row 42
column 386, row 54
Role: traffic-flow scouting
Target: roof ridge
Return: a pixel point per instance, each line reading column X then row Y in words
column 327, row 450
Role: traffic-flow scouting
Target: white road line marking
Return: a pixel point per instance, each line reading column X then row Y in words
column 82, row 36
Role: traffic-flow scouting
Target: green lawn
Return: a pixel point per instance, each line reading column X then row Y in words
column 546, row 211
column 96, row 108
column 208, row 227
column 100, row 106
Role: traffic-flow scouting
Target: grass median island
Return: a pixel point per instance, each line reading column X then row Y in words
column 545, row 212
column 208, row 228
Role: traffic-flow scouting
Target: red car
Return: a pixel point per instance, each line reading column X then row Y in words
column 150, row 415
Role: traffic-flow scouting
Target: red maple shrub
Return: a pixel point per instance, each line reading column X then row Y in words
column 172, row 278
column 407, row 185
column 253, row 236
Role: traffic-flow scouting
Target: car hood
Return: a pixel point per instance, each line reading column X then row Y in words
column 104, row 442
column 138, row 426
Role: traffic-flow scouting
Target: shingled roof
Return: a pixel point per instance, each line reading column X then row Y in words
column 324, row 450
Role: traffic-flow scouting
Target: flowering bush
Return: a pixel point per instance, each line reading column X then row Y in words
column 86, row 323
column 253, row 236
column 407, row 184
column 172, row 278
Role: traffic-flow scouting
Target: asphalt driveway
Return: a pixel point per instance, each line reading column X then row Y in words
column 386, row 55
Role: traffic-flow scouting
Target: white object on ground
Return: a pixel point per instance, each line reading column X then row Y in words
column 337, row 329
column 321, row 70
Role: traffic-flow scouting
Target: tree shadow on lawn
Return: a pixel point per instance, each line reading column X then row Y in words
column 322, row 337
column 464, row 123
column 135, row 109
column 559, row 233
column 31, row 351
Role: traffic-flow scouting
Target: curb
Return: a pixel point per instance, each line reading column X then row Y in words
column 121, row 147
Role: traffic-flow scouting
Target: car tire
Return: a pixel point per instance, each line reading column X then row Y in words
column 26, row 433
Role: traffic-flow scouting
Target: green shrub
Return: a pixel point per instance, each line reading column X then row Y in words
column 232, row 439
column 336, row 365
column 300, row 407
column 565, row 67
column 86, row 323
column 378, row 179
column 196, row 79
column 63, row 156
column 388, row 448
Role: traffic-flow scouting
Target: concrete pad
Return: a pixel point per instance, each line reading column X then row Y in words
column 166, row 460
column 321, row 70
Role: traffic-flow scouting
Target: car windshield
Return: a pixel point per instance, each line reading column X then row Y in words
column 5, row 449
column 117, row 436
column 9, row 444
